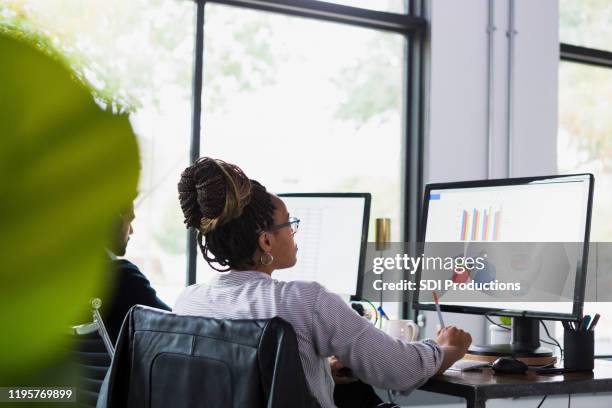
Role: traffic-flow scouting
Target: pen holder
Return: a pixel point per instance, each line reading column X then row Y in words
column 579, row 349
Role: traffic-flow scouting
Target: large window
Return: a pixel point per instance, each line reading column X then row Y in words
column 324, row 98
column 586, row 23
column 305, row 106
column 319, row 96
column 585, row 124
column 138, row 56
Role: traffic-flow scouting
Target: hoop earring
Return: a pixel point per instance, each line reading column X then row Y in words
column 270, row 259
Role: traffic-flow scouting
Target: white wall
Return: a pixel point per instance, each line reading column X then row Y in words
column 536, row 73
column 456, row 147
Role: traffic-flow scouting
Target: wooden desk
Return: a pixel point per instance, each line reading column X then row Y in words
column 479, row 386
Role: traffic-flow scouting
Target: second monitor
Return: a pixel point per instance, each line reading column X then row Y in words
column 331, row 239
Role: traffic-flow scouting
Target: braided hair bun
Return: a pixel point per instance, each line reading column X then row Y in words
column 227, row 208
column 213, row 192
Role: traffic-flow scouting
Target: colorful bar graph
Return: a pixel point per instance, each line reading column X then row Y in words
column 479, row 227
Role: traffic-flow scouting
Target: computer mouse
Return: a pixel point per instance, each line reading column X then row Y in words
column 509, row 365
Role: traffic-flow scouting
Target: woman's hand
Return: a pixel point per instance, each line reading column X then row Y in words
column 454, row 343
column 454, row 337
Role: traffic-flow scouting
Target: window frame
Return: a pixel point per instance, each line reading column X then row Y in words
column 412, row 25
column 587, row 56
column 584, row 55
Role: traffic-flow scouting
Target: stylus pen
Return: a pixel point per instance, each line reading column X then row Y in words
column 382, row 312
column 437, row 302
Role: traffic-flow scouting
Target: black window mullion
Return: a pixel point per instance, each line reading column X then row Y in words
column 414, row 141
column 196, row 115
column 584, row 55
column 319, row 10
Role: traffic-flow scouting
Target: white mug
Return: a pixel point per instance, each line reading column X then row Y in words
column 405, row 330
column 499, row 335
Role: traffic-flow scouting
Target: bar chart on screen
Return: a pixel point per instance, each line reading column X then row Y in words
column 480, row 224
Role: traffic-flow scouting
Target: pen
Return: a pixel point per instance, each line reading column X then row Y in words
column 593, row 322
column 435, row 296
column 585, row 323
column 382, row 312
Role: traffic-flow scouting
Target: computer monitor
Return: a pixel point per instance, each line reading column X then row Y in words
column 331, row 239
column 503, row 214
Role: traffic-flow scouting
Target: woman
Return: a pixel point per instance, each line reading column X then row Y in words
column 246, row 231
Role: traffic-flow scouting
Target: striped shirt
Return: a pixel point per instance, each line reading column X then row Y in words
column 324, row 324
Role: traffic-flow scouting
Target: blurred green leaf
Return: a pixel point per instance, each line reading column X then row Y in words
column 67, row 169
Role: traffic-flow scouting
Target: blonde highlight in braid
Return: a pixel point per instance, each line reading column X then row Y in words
column 237, row 196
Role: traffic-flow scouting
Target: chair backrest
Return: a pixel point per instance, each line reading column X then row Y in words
column 165, row 360
column 92, row 353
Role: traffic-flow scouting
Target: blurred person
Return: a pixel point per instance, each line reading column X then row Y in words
column 246, row 234
column 129, row 286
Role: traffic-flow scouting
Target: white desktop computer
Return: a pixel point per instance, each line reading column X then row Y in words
column 534, row 230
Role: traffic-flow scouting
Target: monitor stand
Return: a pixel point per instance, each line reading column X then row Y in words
column 525, row 345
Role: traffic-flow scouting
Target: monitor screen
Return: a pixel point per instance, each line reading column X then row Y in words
column 545, row 220
column 331, row 239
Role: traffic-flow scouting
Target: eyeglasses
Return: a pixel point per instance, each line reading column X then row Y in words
column 294, row 223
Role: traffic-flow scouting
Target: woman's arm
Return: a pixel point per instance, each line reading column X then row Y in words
column 372, row 355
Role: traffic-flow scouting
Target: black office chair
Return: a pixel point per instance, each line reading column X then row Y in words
column 92, row 353
column 166, row 360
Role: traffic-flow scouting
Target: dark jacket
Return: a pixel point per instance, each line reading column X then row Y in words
column 129, row 287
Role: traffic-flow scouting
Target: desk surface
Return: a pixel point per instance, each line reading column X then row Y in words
column 479, row 386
